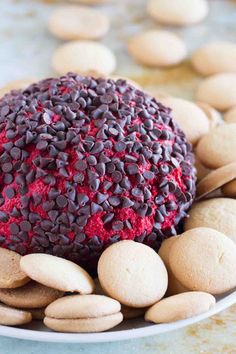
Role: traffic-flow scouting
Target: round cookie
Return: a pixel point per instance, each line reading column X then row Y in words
column 152, row 48
column 178, row 12
column 31, row 295
column 57, row 273
column 164, row 250
column 180, row 306
column 218, row 147
column 202, row 171
column 189, row 116
column 229, row 189
column 84, row 325
column 216, row 179
column 174, row 286
column 230, row 116
column 132, row 283
column 84, row 57
column 214, row 58
column 11, row 276
column 82, row 306
column 204, row 259
column 13, row 317
column 217, row 91
column 16, row 85
column 215, row 213
column 71, row 22
column 214, row 117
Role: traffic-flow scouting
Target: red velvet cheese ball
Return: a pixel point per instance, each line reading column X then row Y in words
column 86, row 162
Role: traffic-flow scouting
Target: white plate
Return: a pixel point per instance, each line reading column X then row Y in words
column 127, row 330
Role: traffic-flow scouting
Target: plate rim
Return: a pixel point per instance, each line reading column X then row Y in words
column 113, row 336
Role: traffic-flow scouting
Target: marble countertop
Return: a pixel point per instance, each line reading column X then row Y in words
column 25, row 51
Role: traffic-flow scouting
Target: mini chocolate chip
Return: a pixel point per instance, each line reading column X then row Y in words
column 82, row 220
column 46, row 225
column 114, row 239
column 147, row 193
column 119, row 146
column 107, row 185
column 164, row 170
column 111, row 167
column 30, row 177
column 97, row 148
column 132, row 169
column 130, row 158
column 101, row 168
column 106, row 99
column 85, row 210
column 25, row 226
column 42, row 145
column 80, row 237
column 117, row 176
column 14, row 228
column 125, row 183
column 165, row 190
column 3, row 216
column 171, row 205
column 81, row 165
column 92, row 161
column 92, row 175
column 137, row 192
column 78, row 178
column 117, row 225
column 8, row 178
column 108, row 217
column 10, row 193
column 94, row 184
column 7, row 146
column 48, row 205
column 101, row 197
column 149, row 175
column 103, row 158
column 159, row 217
column 114, row 201
column 95, row 208
column 107, row 207
column 53, row 214
column 7, row 167
column 113, row 131
column 142, row 210
column 63, row 172
column 82, row 199
column 118, row 189
column 5, row 110
column 15, row 153
column 162, row 210
column 60, row 145
column 127, row 203
column 175, row 162
column 15, row 212
column 61, row 201
column 34, row 217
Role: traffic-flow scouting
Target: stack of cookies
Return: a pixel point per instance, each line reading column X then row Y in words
column 133, row 280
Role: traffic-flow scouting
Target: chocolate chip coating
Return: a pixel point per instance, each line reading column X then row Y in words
column 86, row 162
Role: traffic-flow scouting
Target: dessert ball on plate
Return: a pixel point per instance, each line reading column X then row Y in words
column 86, row 162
